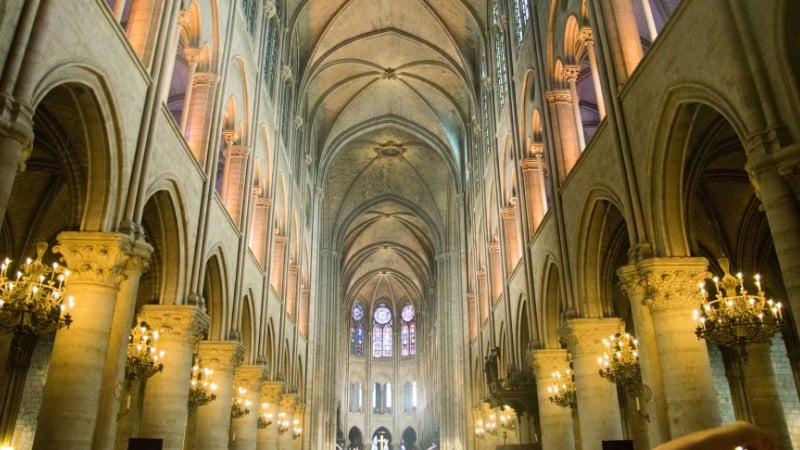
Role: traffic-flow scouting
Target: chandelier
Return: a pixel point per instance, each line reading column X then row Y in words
column 283, row 423
column 32, row 300
column 733, row 317
column 143, row 357
column 620, row 361
column 264, row 416
column 562, row 392
column 241, row 406
column 201, row 389
column 296, row 430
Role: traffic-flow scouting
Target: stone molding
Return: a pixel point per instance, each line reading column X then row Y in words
column 176, row 323
column 631, row 282
column 271, row 391
column 95, row 257
column 240, row 151
column 555, row 96
column 546, row 361
column 221, row 355
column 139, row 261
column 251, row 377
column 673, row 282
column 585, row 336
column 209, row 79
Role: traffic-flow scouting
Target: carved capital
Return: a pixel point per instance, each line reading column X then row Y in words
column 221, row 355
column 230, row 136
column 586, row 35
column 509, row 212
column 570, row 72
column 493, row 247
column 16, row 124
column 286, row 73
column 205, row 79
column 95, row 257
column 176, row 323
column 239, row 151
column 288, row 401
column 546, row 361
column 584, row 337
column 556, row 96
column 673, row 282
column 250, row 377
column 529, row 164
column 271, row 391
column 269, row 9
column 262, row 202
column 139, row 261
column 632, row 283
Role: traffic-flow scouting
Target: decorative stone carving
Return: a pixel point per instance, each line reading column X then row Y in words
column 269, row 9
column 631, row 283
column 297, row 122
column 585, row 336
column 673, row 282
column 205, row 79
column 221, row 355
column 286, row 73
column 95, row 257
column 250, row 377
column 558, row 96
column 270, row 392
column 176, row 323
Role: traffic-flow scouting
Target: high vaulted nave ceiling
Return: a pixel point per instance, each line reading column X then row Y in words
column 388, row 88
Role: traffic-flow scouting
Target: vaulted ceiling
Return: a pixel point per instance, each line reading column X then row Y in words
column 387, row 89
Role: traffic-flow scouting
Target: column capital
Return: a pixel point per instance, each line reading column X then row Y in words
column 556, row 96
column 16, row 123
column 570, row 72
column 546, row 361
column 176, row 323
column 139, row 260
column 250, row 377
column 631, row 282
column 271, row 391
column 287, row 402
column 239, row 150
column 262, row 202
column 221, row 355
column 205, row 79
column 673, row 282
column 584, row 337
column 586, row 35
column 95, row 257
column 509, row 212
column 493, row 247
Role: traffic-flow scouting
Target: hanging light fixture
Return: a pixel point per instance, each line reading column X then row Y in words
column 296, row 430
column 283, row 423
column 562, row 392
column 241, row 405
column 32, row 300
column 264, row 416
column 620, row 361
column 143, row 356
column 731, row 316
column 201, row 389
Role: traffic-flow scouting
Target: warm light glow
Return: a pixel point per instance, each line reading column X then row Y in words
column 733, row 317
column 144, row 359
column 241, row 405
column 620, row 360
column 201, row 388
column 32, row 303
column 562, row 392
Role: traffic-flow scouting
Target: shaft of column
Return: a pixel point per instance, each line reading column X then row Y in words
column 165, row 408
column 762, row 393
column 15, row 148
column 244, row 429
column 555, row 421
column 214, row 419
column 72, row 392
column 598, row 402
column 673, row 295
column 268, row 435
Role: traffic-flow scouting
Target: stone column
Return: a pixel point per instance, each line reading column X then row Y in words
column 511, row 235
column 762, row 394
column 535, row 198
column 297, row 422
column 672, row 296
column 114, row 383
column 632, row 284
column 291, row 290
column 268, row 435
column 260, row 230
column 244, row 429
column 495, row 271
column 483, row 296
column 598, row 403
column 623, row 37
column 287, row 404
column 588, row 41
column 278, row 259
column 74, row 382
column 302, row 319
column 568, row 149
column 196, row 132
column 192, row 55
column 214, row 419
column 16, row 140
column 570, row 74
column 555, row 421
column 165, row 406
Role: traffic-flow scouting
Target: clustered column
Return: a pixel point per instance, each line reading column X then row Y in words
column 75, row 377
column 166, row 400
column 555, row 421
column 584, row 338
column 214, row 419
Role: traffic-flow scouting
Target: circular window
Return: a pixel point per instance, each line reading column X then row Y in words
column 408, row 312
column 358, row 312
column 383, row 315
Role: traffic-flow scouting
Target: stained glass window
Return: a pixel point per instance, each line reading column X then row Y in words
column 382, row 332
column 408, row 331
column 357, row 330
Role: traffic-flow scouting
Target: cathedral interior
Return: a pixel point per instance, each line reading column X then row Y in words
column 383, row 224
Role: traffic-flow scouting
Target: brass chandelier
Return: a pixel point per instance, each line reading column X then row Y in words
column 731, row 316
column 143, row 356
column 32, row 299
